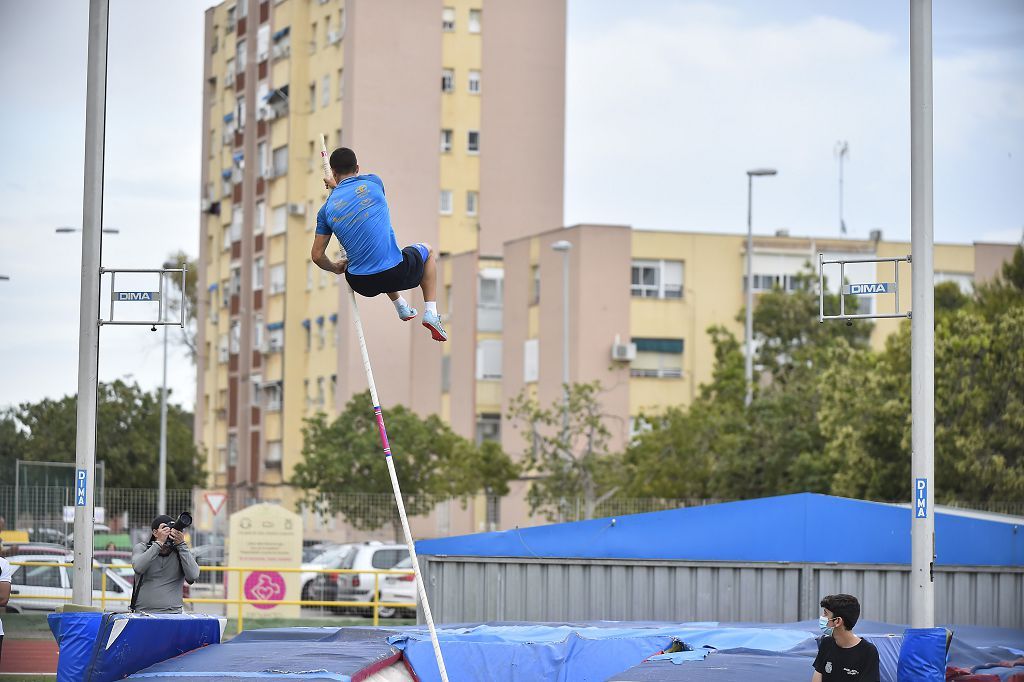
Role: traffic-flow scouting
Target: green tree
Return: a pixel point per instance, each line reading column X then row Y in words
column 127, row 436
column 187, row 333
column 344, row 456
column 569, row 450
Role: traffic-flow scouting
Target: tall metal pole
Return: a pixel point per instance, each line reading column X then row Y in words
column 89, row 308
column 922, row 324
column 563, row 246
column 161, row 502
column 749, row 333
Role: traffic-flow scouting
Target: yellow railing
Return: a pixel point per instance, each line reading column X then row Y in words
column 240, row 601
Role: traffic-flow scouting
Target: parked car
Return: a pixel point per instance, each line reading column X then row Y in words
column 117, row 557
column 34, row 548
column 358, row 586
column 210, row 555
column 327, row 557
column 401, row 589
column 53, row 580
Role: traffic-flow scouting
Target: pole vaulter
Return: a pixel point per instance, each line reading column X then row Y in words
column 433, row 324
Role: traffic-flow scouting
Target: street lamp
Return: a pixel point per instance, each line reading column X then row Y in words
column 66, row 230
column 161, row 503
column 759, row 172
column 564, row 247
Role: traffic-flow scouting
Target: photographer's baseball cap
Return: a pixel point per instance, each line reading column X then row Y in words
column 163, row 518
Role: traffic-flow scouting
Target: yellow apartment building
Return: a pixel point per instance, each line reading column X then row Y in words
column 430, row 96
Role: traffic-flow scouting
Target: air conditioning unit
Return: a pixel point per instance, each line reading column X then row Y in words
column 274, row 346
column 623, row 352
column 229, row 136
column 204, row 205
column 296, row 209
column 334, row 37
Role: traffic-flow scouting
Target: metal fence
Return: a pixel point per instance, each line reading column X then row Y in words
column 46, row 513
column 481, row 589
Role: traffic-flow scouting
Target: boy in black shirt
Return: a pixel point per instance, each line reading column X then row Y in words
column 843, row 655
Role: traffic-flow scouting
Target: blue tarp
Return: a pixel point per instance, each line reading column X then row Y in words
column 789, row 528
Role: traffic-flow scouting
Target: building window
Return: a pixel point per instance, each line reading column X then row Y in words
column 272, row 395
column 446, row 373
column 234, row 337
column 473, row 142
column 472, row 198
column 280, row 161
column 321, row 333
column 261, row 159
column 312, row 41
column 474, row 21
column 236, row 223
column 262, row 42
column 222, row 348
column 274, row 455
column 489, row 301
column 309, row 276
column 222, row 459
column 257, row 272
column 261, row 217
column 275, row 337
column 448, row 19
column 531, row 360
column 232, row 450
column 446, row 140
column 240, row 51
column 447, row 80
column 474, row 81
column 325, row 91
column 279, row 220
column 308, row 329
column 488, row 427
column 446, row 202
column 658, row 359
column 258, row 333
column 488, row 360
column 321, row 395
column 312, row 96
column 534, row 284
column 341, row 79
column 277, row 278
column 240, row 111
column 657, row 279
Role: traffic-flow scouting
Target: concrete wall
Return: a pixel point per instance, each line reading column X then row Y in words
column 479, row 589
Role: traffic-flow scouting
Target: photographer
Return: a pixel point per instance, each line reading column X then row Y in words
column 161, row 565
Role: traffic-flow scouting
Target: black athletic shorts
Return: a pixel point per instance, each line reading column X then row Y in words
column 406, row 275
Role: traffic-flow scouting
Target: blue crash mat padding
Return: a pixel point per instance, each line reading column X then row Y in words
column 97, row 647
column 335, row 659
column 75, row 633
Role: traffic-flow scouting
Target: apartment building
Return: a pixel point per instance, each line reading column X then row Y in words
column 640, row 303
column 450, row 102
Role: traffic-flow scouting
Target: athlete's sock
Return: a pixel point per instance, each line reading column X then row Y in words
column 399, row 303
column 430, row 306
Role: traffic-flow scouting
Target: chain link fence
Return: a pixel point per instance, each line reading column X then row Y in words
column 123, row 517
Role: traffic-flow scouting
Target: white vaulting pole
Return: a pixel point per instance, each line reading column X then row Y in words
column 398, row 491
column 387, row 455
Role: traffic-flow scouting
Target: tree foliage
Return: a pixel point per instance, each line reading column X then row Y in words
column 832, row 415
column 569, row 449
column 187, row 333
column 127, row 438
column 433, row 462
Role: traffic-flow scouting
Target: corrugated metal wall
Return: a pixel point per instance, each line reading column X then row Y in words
column 479, row 589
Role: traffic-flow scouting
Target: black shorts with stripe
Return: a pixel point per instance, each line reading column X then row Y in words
column 406, row 275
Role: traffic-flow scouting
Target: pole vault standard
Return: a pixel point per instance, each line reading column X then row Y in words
column 387, row 455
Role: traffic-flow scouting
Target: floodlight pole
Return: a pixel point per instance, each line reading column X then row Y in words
column 89, row 308
column 922, row 323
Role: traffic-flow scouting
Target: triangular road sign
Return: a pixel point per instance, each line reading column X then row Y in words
column 215, row 501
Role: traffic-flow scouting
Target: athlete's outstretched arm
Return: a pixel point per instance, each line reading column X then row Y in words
column 319, row 255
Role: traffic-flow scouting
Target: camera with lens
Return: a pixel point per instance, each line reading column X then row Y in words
column 183, row 521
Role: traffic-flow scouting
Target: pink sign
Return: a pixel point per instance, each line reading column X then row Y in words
column 264, row 585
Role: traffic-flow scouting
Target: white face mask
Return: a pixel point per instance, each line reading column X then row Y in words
column 823, row 626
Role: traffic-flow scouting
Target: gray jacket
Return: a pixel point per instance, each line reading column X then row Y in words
column 161, row 577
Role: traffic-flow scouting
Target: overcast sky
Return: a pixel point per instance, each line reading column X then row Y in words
column 668, row 104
